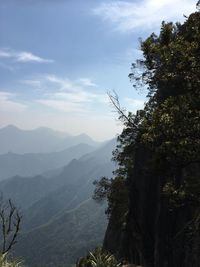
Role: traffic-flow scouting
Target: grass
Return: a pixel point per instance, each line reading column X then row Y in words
column 4, row 262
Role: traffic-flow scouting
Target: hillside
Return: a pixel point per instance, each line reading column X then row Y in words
column 65, row 238
column 57, row 210
column 31, row 164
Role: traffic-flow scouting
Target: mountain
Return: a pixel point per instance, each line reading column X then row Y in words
column 79, row 172
column 103, row 153
column 25, row 191
column 40, row 140
column 73, row 186
column 59, row 218
column 32, row 164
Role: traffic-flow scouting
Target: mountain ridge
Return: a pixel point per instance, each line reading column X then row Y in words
column 31, row 164
column 39, row 140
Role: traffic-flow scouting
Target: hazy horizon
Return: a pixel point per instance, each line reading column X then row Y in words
column 56, row 130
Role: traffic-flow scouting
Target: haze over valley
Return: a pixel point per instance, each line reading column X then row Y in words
column 53, row 191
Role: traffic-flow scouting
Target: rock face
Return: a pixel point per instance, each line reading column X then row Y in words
column 154, row 235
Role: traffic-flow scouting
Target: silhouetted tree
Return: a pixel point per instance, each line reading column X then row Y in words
column 10, row 221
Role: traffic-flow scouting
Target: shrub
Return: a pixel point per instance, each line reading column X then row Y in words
column 6, row 263
column 98, row 258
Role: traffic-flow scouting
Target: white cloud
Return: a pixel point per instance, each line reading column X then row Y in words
column 63, row 84
column 87, row 82
column 146, row 14
column 73, row 102
column 9, row 105
column 81, row 97
column 66, row 95
column 23, row 56
column 4, row 54
column 29, row 57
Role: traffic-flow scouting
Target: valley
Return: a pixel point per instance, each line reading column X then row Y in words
column 60, row 220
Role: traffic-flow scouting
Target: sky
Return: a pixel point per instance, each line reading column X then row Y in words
column 59, row 58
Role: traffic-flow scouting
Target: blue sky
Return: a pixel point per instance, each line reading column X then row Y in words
column 58, row 58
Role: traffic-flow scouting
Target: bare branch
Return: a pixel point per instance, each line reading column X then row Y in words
column 114, row 99
column 10, row 220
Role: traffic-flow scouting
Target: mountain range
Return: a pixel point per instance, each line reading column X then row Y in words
column 40, row 140
column 31, row 164
column 60, row 218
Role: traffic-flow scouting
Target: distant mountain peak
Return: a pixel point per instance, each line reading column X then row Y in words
column 10, row 127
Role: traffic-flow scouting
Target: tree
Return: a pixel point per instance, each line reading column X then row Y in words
column 170, row 131
column 10, row 221
column 115, row 190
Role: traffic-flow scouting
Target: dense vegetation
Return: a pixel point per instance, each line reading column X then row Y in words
column 154, row 198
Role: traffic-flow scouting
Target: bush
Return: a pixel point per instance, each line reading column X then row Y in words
column 98, row 258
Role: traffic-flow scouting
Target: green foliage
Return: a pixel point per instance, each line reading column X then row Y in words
column 187, row 194
column 102, row 189
column 98, row 258
column 171, row 127
column 174, row 129
column 171, row 60
column 115, row 190
column 124, row 152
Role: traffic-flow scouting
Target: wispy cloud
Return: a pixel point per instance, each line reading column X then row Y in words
column 74, row 102
column 62, row 83
column 66, row 95
column 7, row 104
column 81, row 96
column 128, row 16
column 22, row 56
column 87, row 82
column 61, row 105
column 29, row 57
